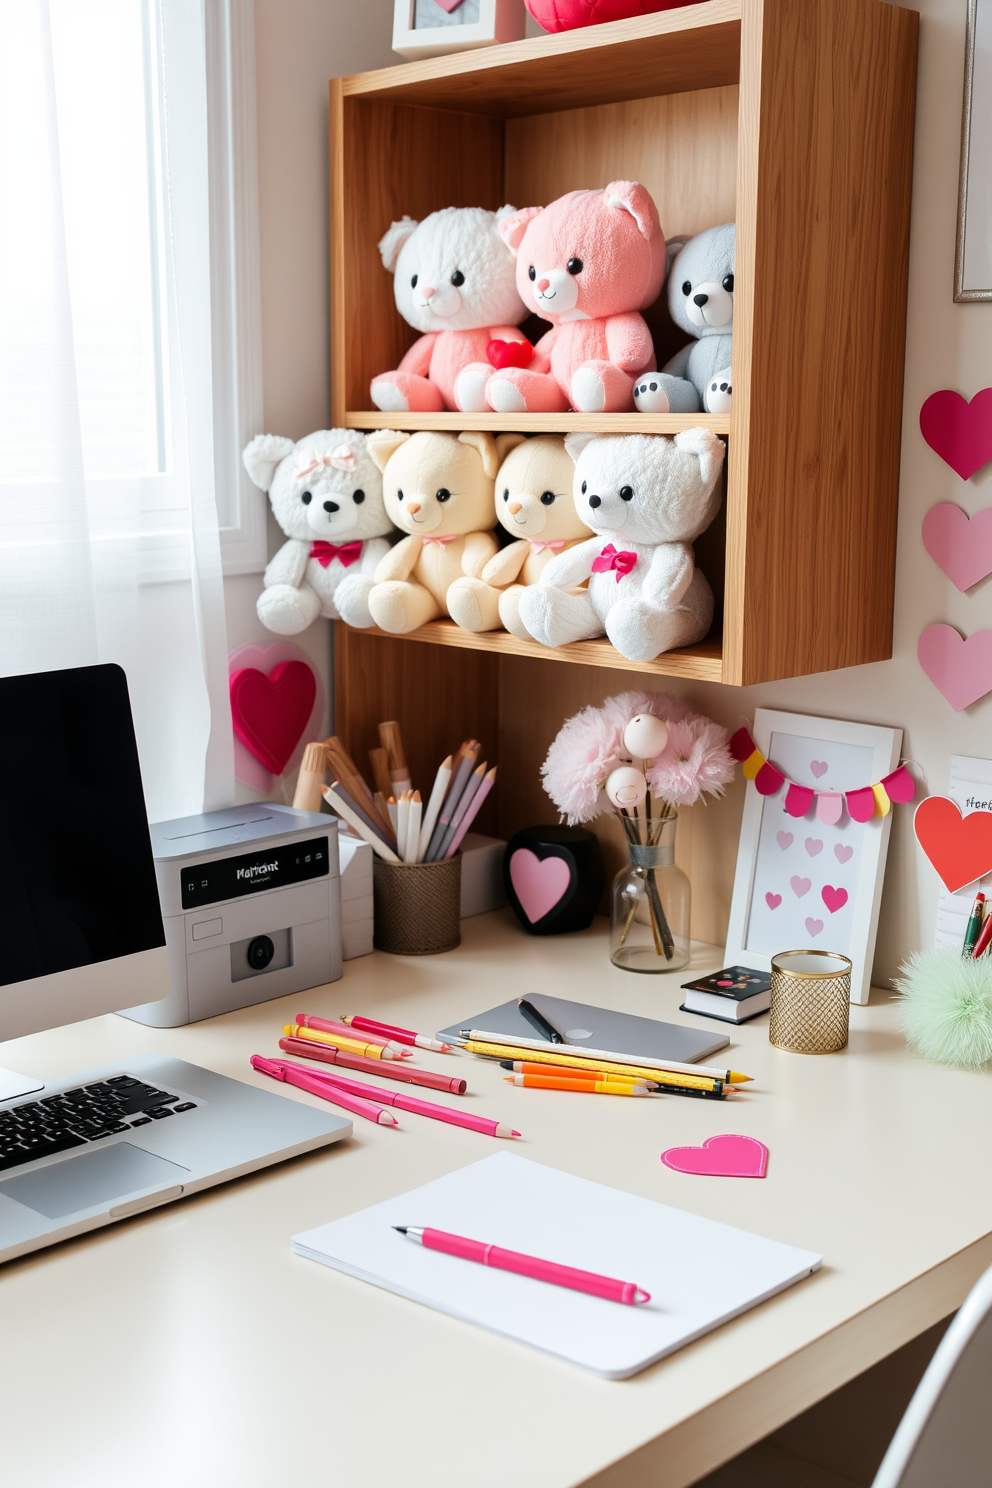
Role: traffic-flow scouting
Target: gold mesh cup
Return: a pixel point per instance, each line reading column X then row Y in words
column 811, row 999
column 417, row 906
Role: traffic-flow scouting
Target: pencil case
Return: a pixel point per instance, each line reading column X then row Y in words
column 417, row 906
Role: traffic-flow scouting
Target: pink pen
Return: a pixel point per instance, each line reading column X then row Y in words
column 401, row 1035
column 327, row 1025
column 525, row 1265
column 295, row 1074
column 404, row 1102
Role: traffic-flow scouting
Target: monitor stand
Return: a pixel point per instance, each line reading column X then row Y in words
column 12, row 1084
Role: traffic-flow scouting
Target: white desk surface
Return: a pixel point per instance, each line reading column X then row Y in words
column 191, row 1348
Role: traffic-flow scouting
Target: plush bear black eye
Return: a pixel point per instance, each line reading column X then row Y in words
column 574, row 266
column 532, row 272
column 399, row 495
column 458, row 278
column 444, row 494
column 506, row 494
column 687, row 289
column 728, row 283
column 583, row 488
column 547, row 497
column 358, row 496
column 626, row 493
column 306, row 498
column 413, row 281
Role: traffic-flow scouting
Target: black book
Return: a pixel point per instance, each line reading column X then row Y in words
column 732, row 995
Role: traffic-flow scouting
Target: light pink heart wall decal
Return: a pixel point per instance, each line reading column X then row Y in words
column 800, row 886
column 959, row 667
column 813, row 927
column 834, row 899
column 784, row 839
column 960, row 545
column 818, row 767
column 538, row 883
column 842, row 853
column 728, row 1156
column 269, row 713
column 814, row 845
column 773, row 901
column 958, row 431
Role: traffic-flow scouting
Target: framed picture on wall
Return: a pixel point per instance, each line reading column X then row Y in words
column 812, row 881
column 973, row 260
column 430, row 28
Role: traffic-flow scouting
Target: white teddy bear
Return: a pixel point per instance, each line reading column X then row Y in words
column 326, row 494
column 701, row 303
column 647, row 497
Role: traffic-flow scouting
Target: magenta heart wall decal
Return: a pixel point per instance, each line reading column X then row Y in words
column 960, row 667
column 269, row 713
column 728, row 1156
column 958, row 431
column 959, row 544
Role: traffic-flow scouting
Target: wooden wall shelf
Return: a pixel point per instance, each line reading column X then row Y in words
column 543, row 423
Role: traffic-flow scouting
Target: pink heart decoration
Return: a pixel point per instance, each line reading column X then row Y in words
column 959, row 667
column 958, row 431
column 773, row 901
column 834, row 899
column 843, row 854
column 538, row 883
column 728, row 1156
column 784, row 839
column 269, row 713
column 813, row 927
column 449, row 5
column 818, row 767
column 959, row 544
column 813, row 846
column 800, row 886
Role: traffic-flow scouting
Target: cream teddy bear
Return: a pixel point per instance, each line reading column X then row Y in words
column 534, row 503
column 647, row 497
column 439, row 489
column 326, row 495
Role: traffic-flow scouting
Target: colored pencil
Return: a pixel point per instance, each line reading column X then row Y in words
column 379, row 760
column 392, row 742
column 664, row 1078
column 585, row 1087
column 469, row 754
column 343, row 810
column 472, row 812
column 294, row 1074
column 413, row 827
column 519, row 1041
column 327, row 1025
column 401, row 1035
column 441, row 782
column 472, row 784
column 571, row 1072
column 349, row 1045
column 404, row 1102
column 329, row 1054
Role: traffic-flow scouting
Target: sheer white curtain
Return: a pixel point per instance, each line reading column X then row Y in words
column 106, row 434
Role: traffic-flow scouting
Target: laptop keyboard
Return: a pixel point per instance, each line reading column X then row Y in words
column 86, row 1114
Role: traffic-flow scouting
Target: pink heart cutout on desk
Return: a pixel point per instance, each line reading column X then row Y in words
column 538, row 883
column 959, row 544
column 270, row 712
column 958, row 431
column 728, row 1156
column 960, row 667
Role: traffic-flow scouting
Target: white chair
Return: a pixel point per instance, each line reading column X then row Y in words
column 945, row 1437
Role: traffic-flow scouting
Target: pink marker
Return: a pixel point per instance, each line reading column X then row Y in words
column 327, row 1025
column 295, row 1074
column 525, row 1265
column 405, row 1102
column 401, row 1035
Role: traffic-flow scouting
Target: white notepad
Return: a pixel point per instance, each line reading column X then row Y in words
column 699, row 1273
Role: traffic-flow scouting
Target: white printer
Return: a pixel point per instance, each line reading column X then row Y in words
column 251, row 901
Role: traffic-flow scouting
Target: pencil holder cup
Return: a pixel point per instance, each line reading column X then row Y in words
column 811, row 999
column 417, row 906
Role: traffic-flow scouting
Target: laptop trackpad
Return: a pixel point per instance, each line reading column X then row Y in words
column 95, row 1177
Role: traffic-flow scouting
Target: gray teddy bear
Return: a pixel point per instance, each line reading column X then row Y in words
column 701, row 302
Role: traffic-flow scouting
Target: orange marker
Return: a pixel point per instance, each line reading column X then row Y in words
column 588, row 1087
column 350, row 1046
column 569, row 1072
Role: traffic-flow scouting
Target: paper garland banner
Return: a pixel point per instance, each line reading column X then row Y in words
column 862, row 804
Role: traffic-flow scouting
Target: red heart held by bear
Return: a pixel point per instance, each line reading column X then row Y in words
column 958, row 431
column 501, row 354
column 269, row 713
column 960, row 848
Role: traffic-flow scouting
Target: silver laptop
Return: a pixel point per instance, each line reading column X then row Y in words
column 80, row 935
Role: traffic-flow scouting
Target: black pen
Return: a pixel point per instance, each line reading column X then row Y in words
column 539, row 1021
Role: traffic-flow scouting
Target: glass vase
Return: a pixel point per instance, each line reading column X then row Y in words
column 649, row 911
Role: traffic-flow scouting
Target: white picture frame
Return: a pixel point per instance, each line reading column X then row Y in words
column 498, row 21
column 973, row 257
column 818, row 857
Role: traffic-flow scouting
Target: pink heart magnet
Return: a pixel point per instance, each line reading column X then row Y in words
column 728, row 1156
column 538, row 883
column 270, row 712
column 959, row 544
column 960, row 667
column 958, row 431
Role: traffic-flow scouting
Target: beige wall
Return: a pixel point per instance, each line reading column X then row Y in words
column 303, row 42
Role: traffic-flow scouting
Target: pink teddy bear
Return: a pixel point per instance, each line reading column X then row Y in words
column 588, row 263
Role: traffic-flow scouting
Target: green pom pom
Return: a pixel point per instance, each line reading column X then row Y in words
column 946, row 1006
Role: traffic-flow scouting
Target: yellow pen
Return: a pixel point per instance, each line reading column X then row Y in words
column 349, row 1046
column 660, row 1077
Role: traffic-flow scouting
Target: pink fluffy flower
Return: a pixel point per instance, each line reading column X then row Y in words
column 695, row 759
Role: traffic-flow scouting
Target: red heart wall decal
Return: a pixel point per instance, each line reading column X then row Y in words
column 729, row 1156
column 960, row 848
column 509, row 354
column 958, row 431
column 270, row 712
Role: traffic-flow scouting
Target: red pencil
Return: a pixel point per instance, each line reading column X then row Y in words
column 401, row 1035
column 327, row 1054
column 406, row 1102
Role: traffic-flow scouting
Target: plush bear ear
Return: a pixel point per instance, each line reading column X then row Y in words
column 392, row 241
column 383, row 444
column 511, row 229
column 632, row 197
column 673, row 247
column 507, row 442
column 576, row 443
column 709, row 449
column 263, row 455
column 486, row 445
